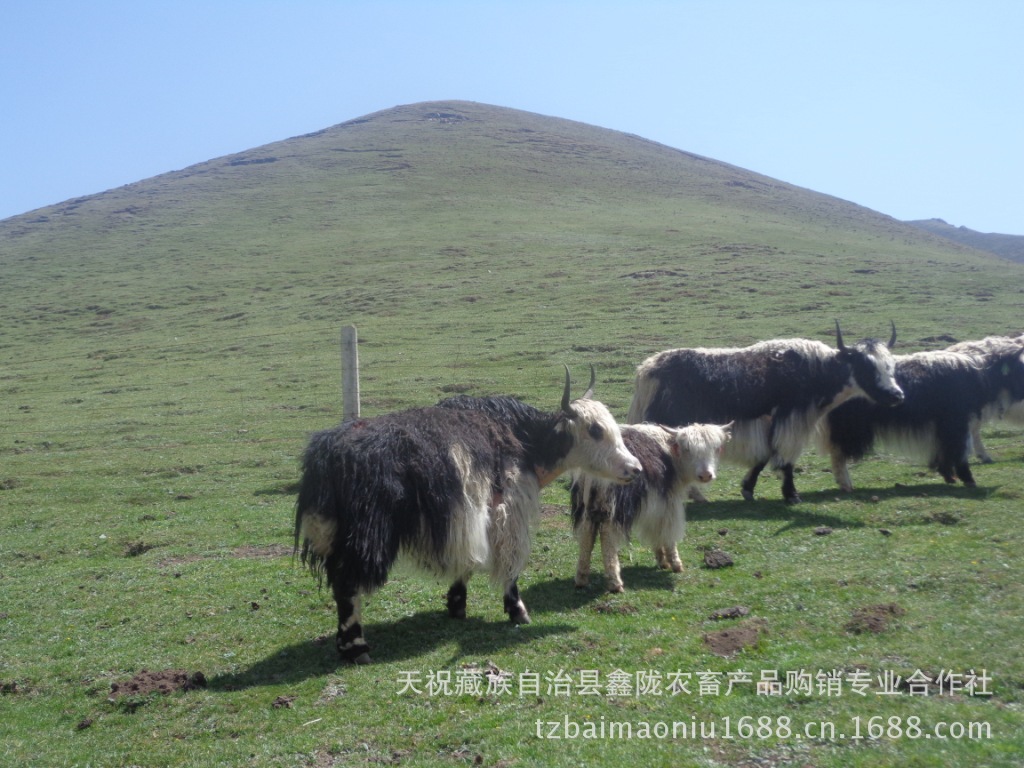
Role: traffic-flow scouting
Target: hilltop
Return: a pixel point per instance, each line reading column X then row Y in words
column 507, row 235
column 167, row 347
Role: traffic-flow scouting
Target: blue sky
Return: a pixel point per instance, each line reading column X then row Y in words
column 913, row 108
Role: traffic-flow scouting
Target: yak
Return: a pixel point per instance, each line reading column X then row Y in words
column 674, row 461
column 774, row 392
column 452, row 489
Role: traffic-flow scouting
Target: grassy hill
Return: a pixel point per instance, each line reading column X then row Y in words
column 166, row 347
column 1007, row 246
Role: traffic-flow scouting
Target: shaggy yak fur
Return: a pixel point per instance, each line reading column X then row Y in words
column 774, row 392
column 946, row 393
column 674, row 461
column 1006, row 407
column 453, row 488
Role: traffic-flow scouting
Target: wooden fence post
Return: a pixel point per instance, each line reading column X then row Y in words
column 349, row 372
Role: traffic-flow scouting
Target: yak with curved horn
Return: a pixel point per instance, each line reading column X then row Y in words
column 452, row 487
column 774, row 392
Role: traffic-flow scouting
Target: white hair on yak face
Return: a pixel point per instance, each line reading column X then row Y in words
column 674, row 460
column 774, row 391
column 946, row 393
column 451, row 488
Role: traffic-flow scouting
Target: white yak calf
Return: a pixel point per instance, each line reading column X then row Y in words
column 674, row 460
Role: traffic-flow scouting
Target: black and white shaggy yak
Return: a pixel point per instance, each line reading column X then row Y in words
column 945, row 393
column 674, row 460
column 774, row 392
column 1006, row 408
column 454, row 489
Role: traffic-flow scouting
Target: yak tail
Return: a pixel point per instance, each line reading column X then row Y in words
column 351, row 519
column 313, row 541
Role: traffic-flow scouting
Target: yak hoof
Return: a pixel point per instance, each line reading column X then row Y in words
column 795, row 499
column 520, row 618
column 986, row 460
column 748, row 495
column 357, row 654
column 616, row 589
column 457, row 612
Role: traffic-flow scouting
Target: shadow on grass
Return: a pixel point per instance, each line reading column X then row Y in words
column 924, row 490
column 561, row 595
column 291, row 664
column 803, row 515
column 406, row 638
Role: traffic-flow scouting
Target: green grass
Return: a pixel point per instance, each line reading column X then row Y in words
column 166, row 348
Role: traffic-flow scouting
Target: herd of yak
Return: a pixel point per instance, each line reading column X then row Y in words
column 454, row 487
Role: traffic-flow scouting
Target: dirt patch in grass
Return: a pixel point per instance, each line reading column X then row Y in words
column 944, row 518
column 615, row 609
column 735, row 612
column 716, row 558
column 874, row 618
column 331, row 692
column 246, row 552
column 165, row 681
column 136, row 548
column 727, row 642
column 270, row 550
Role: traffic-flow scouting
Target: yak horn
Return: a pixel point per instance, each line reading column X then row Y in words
column 565, row 395
column 892, row 341
column 590, row 387
column 839, row 338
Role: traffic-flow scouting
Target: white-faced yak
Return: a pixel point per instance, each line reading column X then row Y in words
column 774, row 392
column 653, row 507
column 452, row 489
column 946, row 392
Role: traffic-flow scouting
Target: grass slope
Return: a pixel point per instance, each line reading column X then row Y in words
column 1007, row 246
column 166, row 348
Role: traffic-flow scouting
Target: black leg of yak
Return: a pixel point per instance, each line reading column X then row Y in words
column 514, row 606
column 953, row 456
column 457, row 600
column 751, row 480
column 350, row 643
column 945, row 469
column 788, row 486
column 963, row 471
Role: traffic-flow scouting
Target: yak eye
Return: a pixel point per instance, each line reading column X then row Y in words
column 596, row 431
